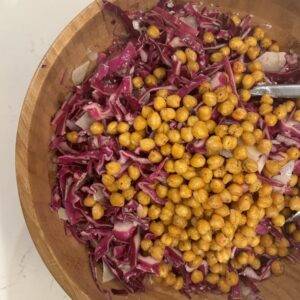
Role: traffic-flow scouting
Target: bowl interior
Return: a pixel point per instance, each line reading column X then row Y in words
column 93, row 29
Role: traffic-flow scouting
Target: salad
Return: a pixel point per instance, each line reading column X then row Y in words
column 167, row 168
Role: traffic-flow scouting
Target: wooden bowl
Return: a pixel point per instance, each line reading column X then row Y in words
column 92, row 29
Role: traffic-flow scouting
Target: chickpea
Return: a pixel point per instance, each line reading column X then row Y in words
column 250, row 41
column 293, row 153
column 278, row 220
column 238, row 67
column 277, row 268
column 296, row 235
column 147, row 144
column 216, row 57
column 167, row 114
column 138, row 82
column 157, row 252
column 129, row 193
column 225, row 51
column 240, row 240
column 200, row 130
column 157, row 228
column 226, row 108
column 153, row 32
column 229, row 142
column 244, row 203
column 215, row 162
column 212, row 278
column 177, row 151
column 174, row 180
column 206, row 174
column 245, row 95
column 204, row 113
column 179, row 283
column 112, row 128
column 160, row 73
column 182, row 114
column 204, row 87
column 146, row 244
column 72, row 137
column 214, row 144
column 264, row 146
column 154, row 212
column 223, row 286
column 181, row 56
column 250, row 166
column 209, row 98
column 124, row 182
column 200, row 195
column 189, row 101
column 235, row 43
column 151, row 80
column 193, row 66
column 117, row 199
column 233, row 166
column 197, row 160
column 216, row 222
column 113, row 168
column 248, row 138
column 274, row 47
column 253, row 52
column 155, row 156
column 294, row 203
column 271, row 119
column 124, row 139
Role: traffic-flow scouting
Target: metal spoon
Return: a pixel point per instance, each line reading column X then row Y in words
column 277, row 91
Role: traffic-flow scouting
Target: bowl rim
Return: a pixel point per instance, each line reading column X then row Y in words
column 21, row 147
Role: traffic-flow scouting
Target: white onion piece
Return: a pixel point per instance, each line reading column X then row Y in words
column 253, row 153
column 189, row 20
column 136, row 25
column 261, row 163
column 226, row 153
column 84, row 122
column 272, row 61
column 80, row 73
column 176, row 42
column 144, row 55
column 99, row 196
column 286, row 173
column 92, row 55
column 107, row 275
column 62, row 214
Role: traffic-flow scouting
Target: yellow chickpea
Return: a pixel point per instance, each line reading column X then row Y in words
column 97, row 128
column 271, row 119
column 157, row 228
column 154, row 212
column 216, row 222
column 181, row 56
column 153, row 32
column 147, row 144
column 113, row 168
column 253, row 52
column 186, row 134
column 197, row 160
column 233, row 166
column 151, row 80
column 117, row 199
column 278, row 220
column 193, row 66
column 204, row 113
column 189, row 101
column 72, row 137
column 293, row 153
column 238, row 67
column 235, row 43
column 177, row 150
column 138, row 82
column 214, row 144
column 209, row 98
column 182, row 114
column 208, row 37
column 206, row 174
column 160, row 73
column 277, row 268
column 226, row 108
column 174, row 180
column 157, row 252
column 200, row 130
column 225, row 51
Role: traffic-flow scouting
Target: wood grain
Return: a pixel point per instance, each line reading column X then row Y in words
column 92, row 29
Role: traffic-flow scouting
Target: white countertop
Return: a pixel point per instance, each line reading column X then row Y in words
column 27, row 29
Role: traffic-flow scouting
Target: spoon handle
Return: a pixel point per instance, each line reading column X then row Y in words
column 278, row 91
